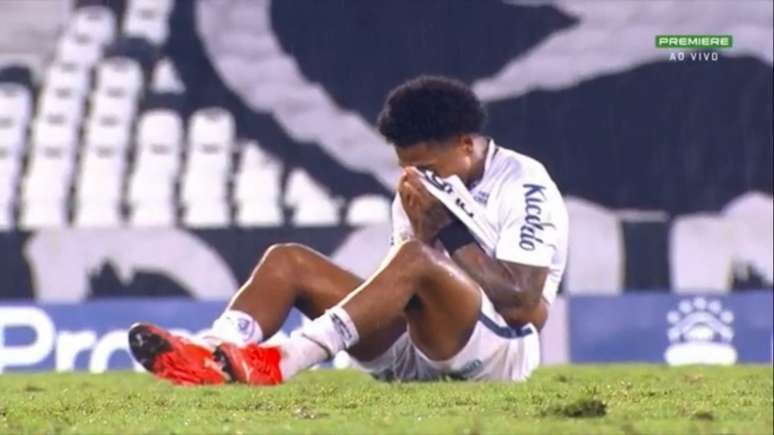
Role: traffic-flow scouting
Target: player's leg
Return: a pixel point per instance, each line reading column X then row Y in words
column 288, row 275
column 440, row 302
column 292, row 275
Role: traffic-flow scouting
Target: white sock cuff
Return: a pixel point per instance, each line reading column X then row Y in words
column 344, row 326
column 236, row 327
column 334, row 331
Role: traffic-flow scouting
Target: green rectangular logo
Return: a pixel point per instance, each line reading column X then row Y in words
column 694, row 41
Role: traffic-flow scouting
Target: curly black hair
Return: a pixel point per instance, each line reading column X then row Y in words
column 432, row 109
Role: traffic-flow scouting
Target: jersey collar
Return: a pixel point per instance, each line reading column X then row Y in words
column 491, row 150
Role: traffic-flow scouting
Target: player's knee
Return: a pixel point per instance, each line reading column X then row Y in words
column 416, row 258
column 284, row 258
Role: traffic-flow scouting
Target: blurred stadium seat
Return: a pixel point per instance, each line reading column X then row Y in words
column 690, row 237
column 99, row 188
column 368, row 210
column 97, row 21
column 257, row 188
column 15, row 103
column 311, row 204
column 62, row 75
column 80, row 49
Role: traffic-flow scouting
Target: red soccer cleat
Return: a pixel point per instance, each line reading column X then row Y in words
column 251, row 364
column 173, row 357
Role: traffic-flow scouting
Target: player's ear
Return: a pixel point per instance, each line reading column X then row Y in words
column 466, row 141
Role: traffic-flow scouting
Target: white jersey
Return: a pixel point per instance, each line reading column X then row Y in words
column 523, row 204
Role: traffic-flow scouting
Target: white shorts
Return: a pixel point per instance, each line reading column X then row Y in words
column 495, row 351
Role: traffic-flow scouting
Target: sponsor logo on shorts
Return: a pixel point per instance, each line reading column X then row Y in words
column 467, row 371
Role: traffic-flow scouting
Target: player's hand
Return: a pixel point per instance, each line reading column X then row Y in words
column 427, row 215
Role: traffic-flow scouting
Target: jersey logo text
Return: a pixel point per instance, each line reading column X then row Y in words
column 534, row 197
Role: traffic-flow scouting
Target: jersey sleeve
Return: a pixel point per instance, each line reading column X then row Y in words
column 401, row 226
column 528, row 231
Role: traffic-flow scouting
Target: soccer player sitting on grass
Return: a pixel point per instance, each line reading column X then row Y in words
column 440, row 305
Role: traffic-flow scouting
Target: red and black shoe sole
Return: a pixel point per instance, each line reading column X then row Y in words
column 225, row 364
column 146, row 342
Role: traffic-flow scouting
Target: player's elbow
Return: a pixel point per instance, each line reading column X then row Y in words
column 524, row 306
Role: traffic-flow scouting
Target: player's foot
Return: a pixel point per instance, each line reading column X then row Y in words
column 173, row 357
column 251, row 364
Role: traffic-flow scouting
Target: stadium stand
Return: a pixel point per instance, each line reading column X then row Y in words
column 122, row 119
column 111, row 121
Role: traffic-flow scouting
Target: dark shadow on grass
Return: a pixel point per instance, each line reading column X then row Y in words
column 703, row 415
column 33, row 389
column 582, row 408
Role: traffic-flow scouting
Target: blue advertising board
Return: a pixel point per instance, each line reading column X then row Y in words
column 93, row 335
column 648, row 327
column 673, row 329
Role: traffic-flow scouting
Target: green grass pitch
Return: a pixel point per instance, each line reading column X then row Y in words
column 615, row 399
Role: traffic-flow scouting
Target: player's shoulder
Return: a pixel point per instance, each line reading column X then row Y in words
column 514, row 167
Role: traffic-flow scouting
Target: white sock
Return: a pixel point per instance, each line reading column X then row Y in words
column 236, row 327
column 318, row 341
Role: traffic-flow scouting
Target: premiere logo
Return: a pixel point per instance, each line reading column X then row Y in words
column 694, row 48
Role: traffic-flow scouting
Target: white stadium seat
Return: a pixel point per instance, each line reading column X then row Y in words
column 165, row 78
column 12, row 137
column 120, row 73
column 113, row 104
column 6, row 217
column 151, row 191
column 95, row 20
column 708, row 237
column 259, row 214
column 49, row 174
column 212, row 125
column 368, row 210
column 158, row 159
column 54, row 132
column 152, row 214
column 258, row 184
column 595, row 253
column 147, row 23
column 37, row 215
column 164, row 7
column 79, row 49
column 160, row 126
column 108, row 132
column 311, row 204
column 203, row 187
column 257, row 190
column 212, row 161
column 62, row 75
column 752, row 218
column 151, row 187
column 316, row 211
column 45, row 188
column 10, row 167
column 15, row 102
column 95, row 214
column 207, row 214
column 101, row 176
column 62, row 102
